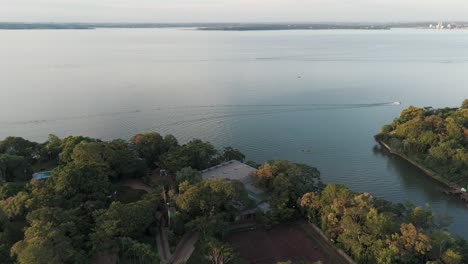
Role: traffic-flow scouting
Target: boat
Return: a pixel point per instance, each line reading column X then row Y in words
column 307, row 151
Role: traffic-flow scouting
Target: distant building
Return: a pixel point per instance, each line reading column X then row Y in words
column 42, row 175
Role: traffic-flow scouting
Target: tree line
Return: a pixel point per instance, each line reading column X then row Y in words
column 74, row 216
column 435, row 138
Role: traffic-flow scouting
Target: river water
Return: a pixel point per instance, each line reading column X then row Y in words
column 271, row 94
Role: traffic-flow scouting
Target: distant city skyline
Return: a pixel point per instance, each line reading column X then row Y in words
column 184, row 11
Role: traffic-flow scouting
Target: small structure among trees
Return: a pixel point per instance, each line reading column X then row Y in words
column 236, row 170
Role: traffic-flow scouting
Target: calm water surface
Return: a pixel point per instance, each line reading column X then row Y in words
column 272, row 94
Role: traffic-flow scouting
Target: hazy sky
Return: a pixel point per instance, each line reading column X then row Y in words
column 231, row 10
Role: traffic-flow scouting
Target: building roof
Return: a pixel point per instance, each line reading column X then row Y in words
column 236, row 170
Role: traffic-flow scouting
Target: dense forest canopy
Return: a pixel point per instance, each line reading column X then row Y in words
column 78, row 213
column 435, row 138
column 372, row 230
column 84, row 212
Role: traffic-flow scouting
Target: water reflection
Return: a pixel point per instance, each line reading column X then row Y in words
column 422, row 189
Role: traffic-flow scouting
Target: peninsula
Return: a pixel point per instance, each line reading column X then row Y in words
column 435, row 140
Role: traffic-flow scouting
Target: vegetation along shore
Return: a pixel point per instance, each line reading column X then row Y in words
column 434, row 140
column 154, row 200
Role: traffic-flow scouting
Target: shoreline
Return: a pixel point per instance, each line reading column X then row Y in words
column 451, row 188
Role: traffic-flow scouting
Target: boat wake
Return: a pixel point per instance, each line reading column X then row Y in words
column 209, row 110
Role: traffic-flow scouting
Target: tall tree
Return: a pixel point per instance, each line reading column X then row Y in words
column 76, row 183
column 149, row 145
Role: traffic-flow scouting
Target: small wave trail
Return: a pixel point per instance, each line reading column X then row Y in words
column 385, row 104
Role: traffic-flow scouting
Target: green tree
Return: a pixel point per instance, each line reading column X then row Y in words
column 132, row 251
column 451, row 257
column 76, row 183
column 411, row 113
column 10, row 189
column 53, row 147
column 68, row 145
column 465, row 104
column 46, row 241
column 20, row 147
column 7, row 238
column 230, row 153
column 211, row 197
column 149, row 145
column 287, row 182
column 124, row 220
column 170, row 142
column 17, row 206
column 116, row 156
column 217, row 252
column 188, row 174
column 14, row 168
column 196, row 154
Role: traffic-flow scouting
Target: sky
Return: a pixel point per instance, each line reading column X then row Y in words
column 232, row 10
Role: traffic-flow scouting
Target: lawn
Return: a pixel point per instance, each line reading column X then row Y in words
column 128, row 195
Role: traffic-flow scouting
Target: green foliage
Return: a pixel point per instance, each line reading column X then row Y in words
column 230, row 153
column 170, row 142
column 465, row 104
column 70, row 215
column 20, row 147
column 286, row 182
column 14, row 168
column 188, row 174
column 6, row 238
column 128, row 195
column 131, row 251
column 196, row 154
column 150, row 146
column 10, row 189
column 48, row 239
column 451, row 257
column 372, row 231
column 217, row 252
column 435, row 138
column 116, row 156
column 210, row 197
column 208, row 205
column 68, row 145
column 253, row 164
column 124, row 220
column 17, row 206
column 53, row 147
column 77, row 183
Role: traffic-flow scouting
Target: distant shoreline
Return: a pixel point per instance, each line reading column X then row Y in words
column 216, row 26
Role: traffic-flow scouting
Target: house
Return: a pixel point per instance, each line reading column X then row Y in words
column 236, row 170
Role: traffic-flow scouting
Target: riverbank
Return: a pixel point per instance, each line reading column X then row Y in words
column 451, row 188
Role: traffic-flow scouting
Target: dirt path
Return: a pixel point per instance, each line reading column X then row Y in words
column 185, row 247
column 136, row 184
column 163, row 244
